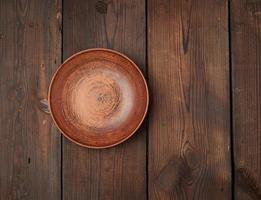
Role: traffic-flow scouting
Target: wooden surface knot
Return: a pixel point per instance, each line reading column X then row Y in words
column 173, row 174
column 101, row 7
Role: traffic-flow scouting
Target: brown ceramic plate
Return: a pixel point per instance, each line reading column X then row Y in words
column 98, row 98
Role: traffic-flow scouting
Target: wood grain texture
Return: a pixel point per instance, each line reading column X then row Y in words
column 246, row 73
column 189, row 137
column 118, row 172
column 29, row 145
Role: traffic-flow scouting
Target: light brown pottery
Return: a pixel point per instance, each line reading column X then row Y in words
column 98, row 98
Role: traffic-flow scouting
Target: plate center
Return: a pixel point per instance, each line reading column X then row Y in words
column 100, row 99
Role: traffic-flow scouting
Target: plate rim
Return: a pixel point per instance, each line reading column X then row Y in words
column 106, row 50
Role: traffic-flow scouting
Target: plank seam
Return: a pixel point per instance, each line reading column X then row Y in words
column 231, row 103
column 147, row 121
column 62, row 57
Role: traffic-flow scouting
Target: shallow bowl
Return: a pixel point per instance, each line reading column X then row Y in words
column 98, row 98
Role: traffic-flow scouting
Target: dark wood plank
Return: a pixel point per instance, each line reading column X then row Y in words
column 189, row 132
column 29, row 143
column 246, row 73
column 118, row 172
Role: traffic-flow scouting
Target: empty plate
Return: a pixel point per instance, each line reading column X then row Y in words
column 98, row 98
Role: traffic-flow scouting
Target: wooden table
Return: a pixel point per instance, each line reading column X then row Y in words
column 202, row 136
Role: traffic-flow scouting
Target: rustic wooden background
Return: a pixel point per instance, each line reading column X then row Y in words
column 202, row 137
